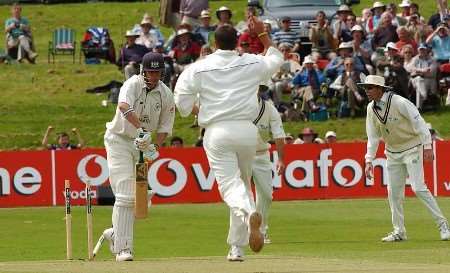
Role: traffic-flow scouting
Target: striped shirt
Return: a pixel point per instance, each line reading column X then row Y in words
column 291, row 37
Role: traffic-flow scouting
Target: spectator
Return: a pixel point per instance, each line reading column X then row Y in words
column 417, row 28
column 185, row 50
column 362, row 48
column 224, row 15
column 281, row 81
column 423, row 73
column 176, row 142
column 307, row 85
column 438, row 17
column 330, row 137
column 340, row 27
column 18, row 35
column 405, row 38
column 385, row 32
column 404, row 5
column 377, row 10
column 440, row 43
column 346, row 85
column 383, row 63
column 364, row 19
column 190, row 11
column 289, row 139
column 407, row 53
column 150, row 36
column 396, row 20
column 287, row 35
column 336, row 66
column 308, row 136
column 414, row 9
column 205, row 29
column 323, row 42
column 131, row 55
column 249, row 42
column 268, row 28
column 63, row 140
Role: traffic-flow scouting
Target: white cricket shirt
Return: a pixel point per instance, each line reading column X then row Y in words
column 155, row 109
column 227, row 85
column 269, row 123
column 398, row 122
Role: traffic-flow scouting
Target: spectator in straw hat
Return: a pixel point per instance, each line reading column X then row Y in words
column 404, row 5
column 340, row 24
column 308, row 136
column 307, row 85
column 336, row 66
column 377, row 10
column 396, row 20
column 396, row 121
column 224, row 15
column 150, row 35
column 131, row 55
column 205, row 29
column 289, row 139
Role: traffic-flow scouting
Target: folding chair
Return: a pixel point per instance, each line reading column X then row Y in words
column 63, row 43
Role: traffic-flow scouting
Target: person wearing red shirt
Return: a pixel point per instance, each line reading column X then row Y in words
column 254, row 44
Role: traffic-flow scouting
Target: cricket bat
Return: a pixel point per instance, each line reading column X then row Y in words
column 141, row 201
column 68, row 220
column 89, row 222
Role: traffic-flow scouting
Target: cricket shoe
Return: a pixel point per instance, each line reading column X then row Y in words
column 124, row 255
column 236, row 254
column 267, row 239
column 394, row 237
column 444, row 231
column 256, row 238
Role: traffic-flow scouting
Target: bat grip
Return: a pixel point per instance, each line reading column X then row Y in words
column 141, row 157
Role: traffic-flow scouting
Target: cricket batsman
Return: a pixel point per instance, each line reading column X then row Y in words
column 145, row 105
column 269, row 124
column 399, row 124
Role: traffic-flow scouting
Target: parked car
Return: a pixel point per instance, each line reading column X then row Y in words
column 302, row 13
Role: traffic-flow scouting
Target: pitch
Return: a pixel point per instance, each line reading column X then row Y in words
column 307, row 236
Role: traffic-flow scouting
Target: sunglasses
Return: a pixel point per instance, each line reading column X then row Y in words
column 370, row 87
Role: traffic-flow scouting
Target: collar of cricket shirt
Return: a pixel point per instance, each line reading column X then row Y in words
column 225, row 52
column 385, row 102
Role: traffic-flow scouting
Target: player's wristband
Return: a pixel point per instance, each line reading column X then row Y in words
column 262, row 34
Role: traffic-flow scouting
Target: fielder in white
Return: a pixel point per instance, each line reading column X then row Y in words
column 227, row 85
column 145, row 105
column 398, row 123
column 269, row 124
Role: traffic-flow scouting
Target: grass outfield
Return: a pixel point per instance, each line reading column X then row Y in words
column 35, row 96
column 342, row 232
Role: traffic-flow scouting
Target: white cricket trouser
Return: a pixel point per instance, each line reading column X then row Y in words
column 403, row 165
column 230, row 147
column 122, row 157
column 423, row 86
column 262, row 176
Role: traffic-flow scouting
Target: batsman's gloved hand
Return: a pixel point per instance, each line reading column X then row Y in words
column 152, row 154
column 143, row 140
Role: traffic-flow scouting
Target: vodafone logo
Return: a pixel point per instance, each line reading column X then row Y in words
column 84, row 164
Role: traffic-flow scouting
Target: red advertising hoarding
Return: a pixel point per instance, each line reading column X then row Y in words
column 182, row 175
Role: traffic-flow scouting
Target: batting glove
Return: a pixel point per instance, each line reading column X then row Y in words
column 152, row 153
column 143, row 140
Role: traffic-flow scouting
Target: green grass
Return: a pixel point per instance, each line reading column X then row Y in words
column 35, row 96
column 343, row 229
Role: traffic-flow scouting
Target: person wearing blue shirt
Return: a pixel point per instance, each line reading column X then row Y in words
column 18, row 35
column 440, row 43
column 307, row 85
column 336, row 67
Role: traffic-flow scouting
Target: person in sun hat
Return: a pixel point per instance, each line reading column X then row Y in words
column 131, row 55
column 397, row 122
